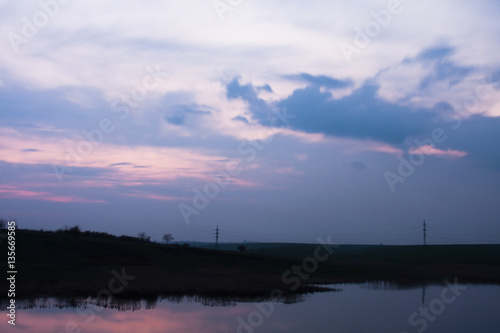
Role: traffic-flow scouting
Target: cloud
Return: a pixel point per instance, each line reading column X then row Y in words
column 13, row 192
column 55, row 89
column 122, row 163
column 321, row 80
column 178, row 113
column 249, row 93
column 431, row 76
column 242, row 119
column 360, row 115
column 433, row 53
column 166, row 163
column 441, row 66
column 153, row 196
column 45, row 107
column 430, row 150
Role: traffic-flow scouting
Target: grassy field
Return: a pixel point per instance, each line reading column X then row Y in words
column 470, row 254
column 396, row 254
column 62, row 264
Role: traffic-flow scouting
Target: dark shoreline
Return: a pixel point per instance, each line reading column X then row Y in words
column 64, row 265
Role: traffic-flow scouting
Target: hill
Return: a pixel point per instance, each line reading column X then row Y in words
column 83, row 264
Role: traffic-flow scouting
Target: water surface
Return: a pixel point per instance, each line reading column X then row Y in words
column 376, row 308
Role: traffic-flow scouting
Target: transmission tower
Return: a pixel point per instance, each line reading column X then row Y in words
column 217, row 237
column 425, row 241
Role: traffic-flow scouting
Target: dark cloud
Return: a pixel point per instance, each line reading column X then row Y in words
column 321, row 80
column 178, row 113
column 360, row 115
column 75, row 172
column 242, row 119
column 443, row 68
column 30, row 150
column 434, row 53
column 265, row 87
column 175, row 120
column 118, row 164
column 249, row 93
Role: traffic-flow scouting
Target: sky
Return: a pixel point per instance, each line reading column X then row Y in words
column 276, row 121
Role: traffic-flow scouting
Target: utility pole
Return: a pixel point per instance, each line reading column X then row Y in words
column 217, row 237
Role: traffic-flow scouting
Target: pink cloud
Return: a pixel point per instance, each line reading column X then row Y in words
column 356, row 146
column 125, row 165
column 154, row 196
column 430, row 150
column 386, row 149
column 120, row 165
column 16, row 193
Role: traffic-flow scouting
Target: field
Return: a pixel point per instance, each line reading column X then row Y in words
column 398, row 254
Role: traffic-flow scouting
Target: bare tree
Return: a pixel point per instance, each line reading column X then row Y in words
column 167, row 238
column 144, row 237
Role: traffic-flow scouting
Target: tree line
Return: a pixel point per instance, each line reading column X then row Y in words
column 77, row 231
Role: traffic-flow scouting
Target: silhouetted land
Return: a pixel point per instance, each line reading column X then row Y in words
column 81, row 264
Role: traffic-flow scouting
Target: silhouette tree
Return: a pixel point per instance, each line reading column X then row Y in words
column 242, row 248
column 75, row 230
column 167, row 238
column 144, row 237
column 3, row 223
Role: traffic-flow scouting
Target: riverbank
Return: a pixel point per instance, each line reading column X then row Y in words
column 91, row 265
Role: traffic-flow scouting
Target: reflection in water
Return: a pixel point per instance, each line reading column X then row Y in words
column 384, row 285
column 128, row 304
column 379, row 307
column 391, row 285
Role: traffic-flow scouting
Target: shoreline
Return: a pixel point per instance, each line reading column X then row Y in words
column 64, row 265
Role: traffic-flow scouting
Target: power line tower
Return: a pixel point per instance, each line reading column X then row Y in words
column 217, row 237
